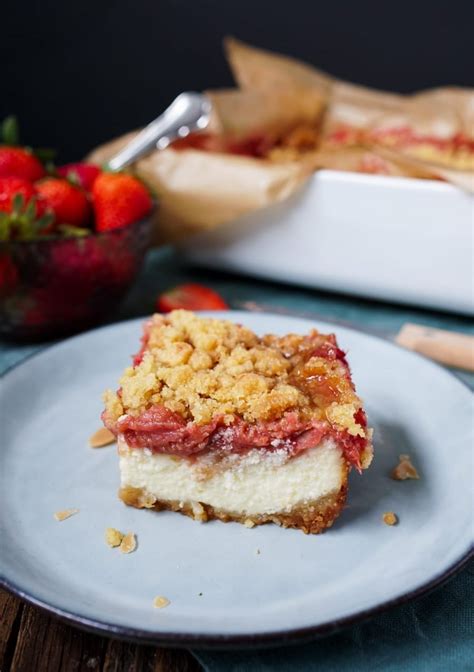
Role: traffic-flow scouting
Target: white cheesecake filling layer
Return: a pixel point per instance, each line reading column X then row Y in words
column 257, row 483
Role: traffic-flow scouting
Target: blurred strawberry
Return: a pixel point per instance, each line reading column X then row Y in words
column 79, row 280
column 8, row 274
column 82, row 174
column 69, row 203
column 119, row 200
column 190, row 296
column 208, row 142
column 82, row 274
column 254, row 145
column 12, row 186
column 19, row 162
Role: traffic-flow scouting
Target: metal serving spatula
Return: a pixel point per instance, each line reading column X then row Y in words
column 187, row 113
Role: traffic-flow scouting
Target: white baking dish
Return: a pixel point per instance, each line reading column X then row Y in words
column 389, row 238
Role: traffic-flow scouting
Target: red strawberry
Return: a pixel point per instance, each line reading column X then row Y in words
column 69, row 203
column 190, row 296
column 119, row 200
column 10, row 187
column 18, row 162
column 83, row 174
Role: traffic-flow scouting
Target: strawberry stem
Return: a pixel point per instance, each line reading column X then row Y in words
column 9, row 131
column 22, row 222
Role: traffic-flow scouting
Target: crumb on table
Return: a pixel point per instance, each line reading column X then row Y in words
column 161, row 602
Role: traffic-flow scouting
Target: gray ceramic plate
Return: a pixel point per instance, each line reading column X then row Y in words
column 222, row 592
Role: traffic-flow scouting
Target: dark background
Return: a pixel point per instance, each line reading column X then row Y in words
column 79, row 72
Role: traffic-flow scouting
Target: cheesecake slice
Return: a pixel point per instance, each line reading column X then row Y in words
column 214, row 421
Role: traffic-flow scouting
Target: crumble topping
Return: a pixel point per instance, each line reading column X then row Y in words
column 113, row 537
column 128, row 543
column 390, row 518
column 102, row 437
column 160, row 602
column 202, row 368
column 343, row 415
column 65, row 514
column 404, row 469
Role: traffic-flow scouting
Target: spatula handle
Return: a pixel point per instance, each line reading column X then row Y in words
column 447, row 347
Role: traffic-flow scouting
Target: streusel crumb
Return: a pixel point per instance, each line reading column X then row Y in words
column 201, row 368
column 390, row 518
column 404, row 469
column 113, row 537
column 65, row 514
column 128, row 543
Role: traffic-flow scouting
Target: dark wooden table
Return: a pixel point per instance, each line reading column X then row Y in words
column 32, row 641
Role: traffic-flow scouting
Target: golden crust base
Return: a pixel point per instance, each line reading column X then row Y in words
column 312, row 518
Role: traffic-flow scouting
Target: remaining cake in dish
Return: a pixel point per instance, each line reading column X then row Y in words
column 216, row 422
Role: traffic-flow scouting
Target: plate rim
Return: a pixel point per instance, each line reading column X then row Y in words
column 229, row 641
column 224, row 641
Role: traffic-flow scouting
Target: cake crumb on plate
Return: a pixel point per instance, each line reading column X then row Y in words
column 66, row 513
column 160, row 602
column 390, row 518
column 128, row 543
column 113, row 537
column 404, row 469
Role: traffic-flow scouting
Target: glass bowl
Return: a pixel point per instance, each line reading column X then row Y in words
column 54, row 286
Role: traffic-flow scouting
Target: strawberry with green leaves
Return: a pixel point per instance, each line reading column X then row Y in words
column 80, row 173
column 119, row 199
column 68, row 202
column 19, row 162
column 11, row 187
column 71, row 200
column 16, row 161
column 22, row 214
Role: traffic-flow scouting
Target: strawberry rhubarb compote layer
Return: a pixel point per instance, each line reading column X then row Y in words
column 213, row 407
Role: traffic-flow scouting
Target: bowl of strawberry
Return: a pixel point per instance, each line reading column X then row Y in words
column 72, row 239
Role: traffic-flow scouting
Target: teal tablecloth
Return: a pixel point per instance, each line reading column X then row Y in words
column 434, row 633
